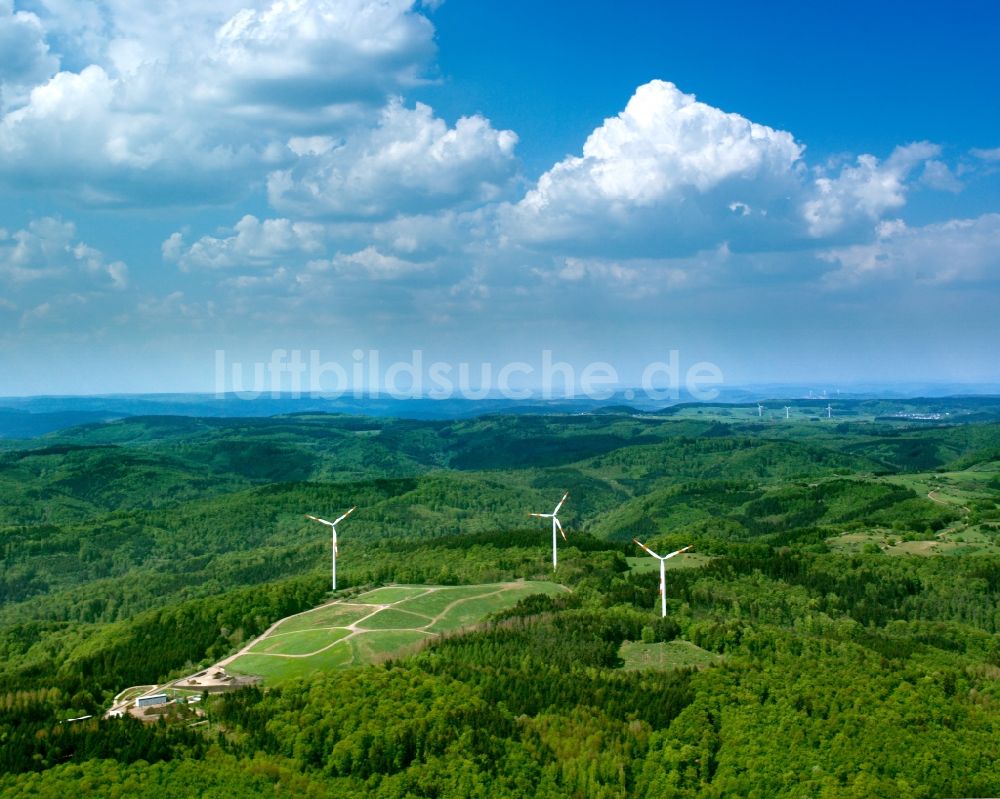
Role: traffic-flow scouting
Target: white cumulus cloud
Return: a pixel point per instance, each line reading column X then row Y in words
column 667, row 162
column 670, row 176
column 319, row 53
column 864, row 190
column 160, row 103
column 959, row 250
column 369, row 263
column 251, row 243
column 410, row 161
column 990, row 154
column 25, row 58
column 48, row 249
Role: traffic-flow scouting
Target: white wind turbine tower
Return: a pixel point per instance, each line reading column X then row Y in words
column 760, row 410
column 787, row 409
column 555, row 526
column 663, row 571
column 829, row 411
column 333, row 535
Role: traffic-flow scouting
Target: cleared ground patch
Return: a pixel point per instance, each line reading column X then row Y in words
column 433, row 603
column 360, row 632
column 686, row 560
column 304, row 642
column 276, row 670
column 472, row 610
column 391, row 594
column 966, row 541
column 665, row 655
column 396, row 619
column 334, row 615
column 370, row 647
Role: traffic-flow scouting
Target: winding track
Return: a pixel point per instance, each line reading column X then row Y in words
column 932, row 498
column 355, row 627
column 118, row 705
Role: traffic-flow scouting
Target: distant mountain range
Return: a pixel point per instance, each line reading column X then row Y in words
column 29, row 417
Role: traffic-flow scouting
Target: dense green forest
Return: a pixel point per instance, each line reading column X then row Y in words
column 844, row 606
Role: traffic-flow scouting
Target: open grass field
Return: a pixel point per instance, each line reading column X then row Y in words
column 957, row 489
column 391, row 594
column 335, row 615
column 374, row 625
column 395, row 619
column 276, row 670
column 303, row 642
column 434, row 603
column 774, row 413
column 465, row 612
column 970, row 493
column 373, row 647
column 665, row 655
column 686, row 560
column 967, row 541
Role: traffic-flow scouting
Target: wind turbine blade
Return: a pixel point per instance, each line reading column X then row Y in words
column 563, row 534
column 678, row 552
column 561, row 501
column 648, row 550
column 541, row 515
column 341, row 518
column 318, row 519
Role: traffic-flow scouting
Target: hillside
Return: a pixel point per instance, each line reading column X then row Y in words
column 840, row 603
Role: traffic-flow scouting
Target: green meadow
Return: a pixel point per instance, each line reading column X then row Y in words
column 295, row 649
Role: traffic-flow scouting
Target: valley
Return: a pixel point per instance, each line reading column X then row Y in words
column 843, row 583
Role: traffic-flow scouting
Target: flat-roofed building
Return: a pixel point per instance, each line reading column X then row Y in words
column 150, row 701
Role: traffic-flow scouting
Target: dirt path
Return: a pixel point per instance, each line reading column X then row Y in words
column 355, row 627
column 932, row 498
column 245, row 650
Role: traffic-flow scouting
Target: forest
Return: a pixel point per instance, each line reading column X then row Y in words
column 837, row 633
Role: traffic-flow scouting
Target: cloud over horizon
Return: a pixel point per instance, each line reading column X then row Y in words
column 277, row 154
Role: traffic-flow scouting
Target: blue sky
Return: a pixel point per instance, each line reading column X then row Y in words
column 809, row 194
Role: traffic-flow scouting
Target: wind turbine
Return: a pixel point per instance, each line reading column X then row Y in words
column 333, row 535
column 555, row 526
column 760, row 410
column 663, row 571
column 787, row 409
column 829, row 411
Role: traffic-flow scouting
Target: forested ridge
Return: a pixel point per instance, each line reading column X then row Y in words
column 841, row 613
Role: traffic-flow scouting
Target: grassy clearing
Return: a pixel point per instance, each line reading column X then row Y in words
column 665, row 655
column 955, row 541
column 298, row 643
column 952, row 488
column 384, row 633
column 395, row 619
column 372, row 647
column 432, row 604
column 686, row 560
column 337, row 615
column 390, row 594
column 470, row 611
column 276, row 670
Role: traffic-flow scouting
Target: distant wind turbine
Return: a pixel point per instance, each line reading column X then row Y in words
column 555, row 526
column 787, row 409
column 333, row 535
column 829, row 411
column 760, row 410
column 663, row 571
